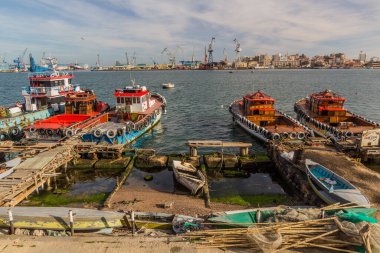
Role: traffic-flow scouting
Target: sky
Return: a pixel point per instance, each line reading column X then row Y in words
column 78, row 30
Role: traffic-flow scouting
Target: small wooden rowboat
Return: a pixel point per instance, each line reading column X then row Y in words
column 331, row 187
column 7, row 168
column 249, row 217
column 189, row 176
column 57, row 218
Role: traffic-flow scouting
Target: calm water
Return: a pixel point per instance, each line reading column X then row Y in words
column 198, row 106
column 198, row 109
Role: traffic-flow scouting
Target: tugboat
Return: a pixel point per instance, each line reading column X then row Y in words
column 82, row 111
column 137, row 110
column 43, row 98
column 324, row 113
column 256, row 114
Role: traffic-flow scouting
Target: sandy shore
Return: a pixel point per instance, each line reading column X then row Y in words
column 148, row 200
column 95, row 244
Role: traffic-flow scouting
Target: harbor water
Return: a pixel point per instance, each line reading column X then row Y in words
column 198, row 109
column 198, row 105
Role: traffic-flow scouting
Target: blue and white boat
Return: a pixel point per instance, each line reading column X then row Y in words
column 43, row 98
column 137, row 110
column 331, row 187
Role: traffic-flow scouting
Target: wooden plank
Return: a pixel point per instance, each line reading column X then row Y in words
column 211, row 143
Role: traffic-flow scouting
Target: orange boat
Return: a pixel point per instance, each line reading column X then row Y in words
column 324, row 112
column 82, row 111
column 256, row 114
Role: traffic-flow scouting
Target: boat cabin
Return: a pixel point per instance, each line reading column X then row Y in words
column 259, row 108
column 133, row 99
column 328, row 104
column 47, row 89
column 81, row 103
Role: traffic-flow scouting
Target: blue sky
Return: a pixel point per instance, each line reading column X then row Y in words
column 78, row 30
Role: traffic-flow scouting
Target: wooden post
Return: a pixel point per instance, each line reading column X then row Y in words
column 48, row 187
column 133, row 223
column 35, row 182
column 243, row 151
column 11, row 227
column 55, row 181
column 193, row 151
column 71, row 222
column 42, row 185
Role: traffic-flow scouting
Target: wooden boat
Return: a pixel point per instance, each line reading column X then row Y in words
column 331, row 187
column 56, row 218
column 168, row 85
column 182, row 224
column 189, row 176
column 43, row 97
column 248, row 217
column 137, row 110
column 256, row 114
column 82, row 111
column 7, row 168
column 325, row 114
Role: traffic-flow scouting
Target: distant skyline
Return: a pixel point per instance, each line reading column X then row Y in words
column 78, row 30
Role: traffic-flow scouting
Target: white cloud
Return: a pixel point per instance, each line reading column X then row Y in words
column 147, row 26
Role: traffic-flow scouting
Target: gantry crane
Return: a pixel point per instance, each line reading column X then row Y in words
column 237, row 50
column 210, row 50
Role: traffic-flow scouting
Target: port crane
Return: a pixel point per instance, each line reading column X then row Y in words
column 154, row 62
column 225, row 55
column 210, row 50
column 126, row 56
column 237, row 50
column 171, row 55
column 19, row 62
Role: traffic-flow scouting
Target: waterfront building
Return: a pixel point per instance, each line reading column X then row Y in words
column 362, row 57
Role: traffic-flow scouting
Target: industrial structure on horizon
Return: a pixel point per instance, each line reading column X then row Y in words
column 258, row 61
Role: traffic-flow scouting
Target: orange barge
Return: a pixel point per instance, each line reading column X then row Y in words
column 256, row 114
column 324, row 112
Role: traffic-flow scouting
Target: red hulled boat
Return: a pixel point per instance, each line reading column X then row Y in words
column 324, row 112
column 82, row 111
column 256, row 114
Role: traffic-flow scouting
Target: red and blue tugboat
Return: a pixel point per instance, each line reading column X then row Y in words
column 256, row 114
column 43, row 98
column 137, row 111
column 324, row 112
column 82, row 112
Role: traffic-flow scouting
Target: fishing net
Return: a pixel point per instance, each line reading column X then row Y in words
column 295, row 215
column 374, row 237
column 267, row 241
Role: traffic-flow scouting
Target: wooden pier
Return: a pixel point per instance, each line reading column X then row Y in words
column 32, row 174
column 194, row 144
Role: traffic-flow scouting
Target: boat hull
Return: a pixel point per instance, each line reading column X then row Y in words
column 56, row 218
column 326, row 130
column 125, row 138
column 21, row 121
column 263, row 134
column 188, row 176
column 342, row 190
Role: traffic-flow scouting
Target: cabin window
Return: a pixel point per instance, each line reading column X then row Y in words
column 263, row 123
column 324, row 113
column 134, row 100
column 138, row 100
column 118, row 100
column 256, row 112
column 128, row 101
